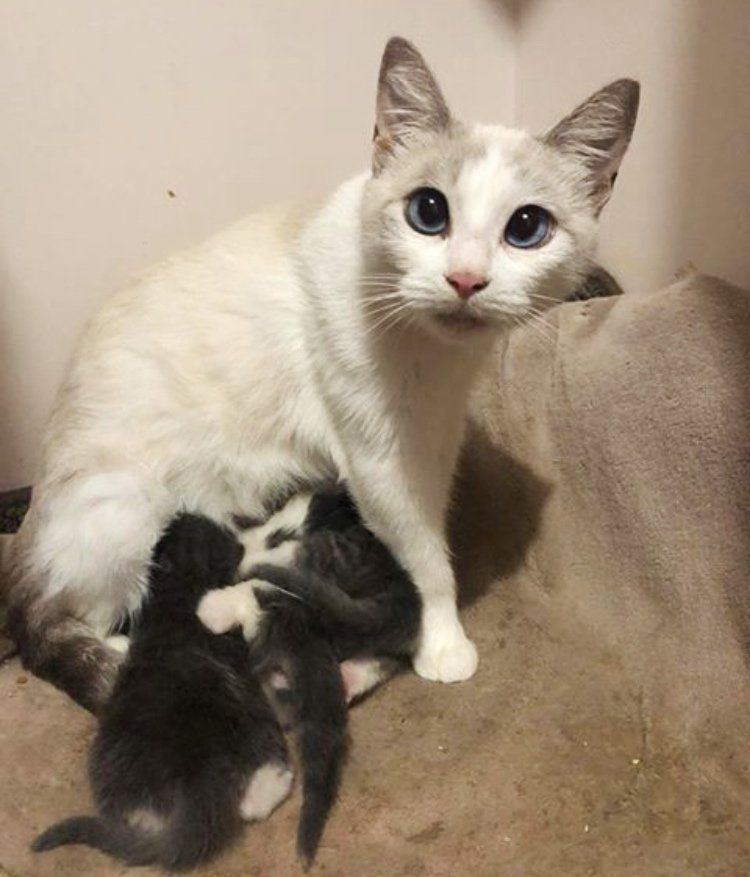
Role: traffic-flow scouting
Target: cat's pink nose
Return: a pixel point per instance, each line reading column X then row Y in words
column 466, row 284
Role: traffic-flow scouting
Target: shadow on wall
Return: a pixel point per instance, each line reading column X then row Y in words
column 12, row 405
column 713, row 202
column 683, row 196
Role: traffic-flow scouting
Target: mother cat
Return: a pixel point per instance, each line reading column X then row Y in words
column 303, row 343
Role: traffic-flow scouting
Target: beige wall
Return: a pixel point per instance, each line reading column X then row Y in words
column 107, row 105
column 683, row 195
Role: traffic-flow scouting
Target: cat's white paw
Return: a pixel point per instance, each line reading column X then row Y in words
column 446, row 654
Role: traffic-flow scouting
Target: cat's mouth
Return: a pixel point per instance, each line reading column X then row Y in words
column 461, row 321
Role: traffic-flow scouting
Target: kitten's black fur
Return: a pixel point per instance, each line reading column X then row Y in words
column 344, row 596
column 187, row 724
column 598, row 283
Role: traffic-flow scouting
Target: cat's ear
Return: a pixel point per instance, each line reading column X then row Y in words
column 597, row 133
column 409, row 100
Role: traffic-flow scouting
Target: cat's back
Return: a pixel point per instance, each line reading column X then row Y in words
column 178, row 348
column 195, row 294
column 188, row 695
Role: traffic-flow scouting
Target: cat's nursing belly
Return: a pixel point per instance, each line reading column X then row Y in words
column 230, row 484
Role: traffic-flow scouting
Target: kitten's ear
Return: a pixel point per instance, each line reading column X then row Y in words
column 597, row 133
column 409, row 99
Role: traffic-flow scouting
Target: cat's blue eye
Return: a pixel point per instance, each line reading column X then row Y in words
column 530, row 226
column 427, row 211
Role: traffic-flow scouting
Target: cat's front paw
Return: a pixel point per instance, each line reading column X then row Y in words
column 446, row 654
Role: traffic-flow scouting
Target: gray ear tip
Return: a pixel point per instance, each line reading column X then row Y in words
column 628, row 89
column 398, row 48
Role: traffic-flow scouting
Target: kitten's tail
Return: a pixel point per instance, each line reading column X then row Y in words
column 181, row 844
column 363, row 616
column 321, row 716
column 118, row 839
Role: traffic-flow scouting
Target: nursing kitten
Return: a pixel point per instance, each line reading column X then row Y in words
column 188, row 746
column 337, row 340
column 341, row 597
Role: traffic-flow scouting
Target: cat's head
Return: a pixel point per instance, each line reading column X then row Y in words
column 469, row 227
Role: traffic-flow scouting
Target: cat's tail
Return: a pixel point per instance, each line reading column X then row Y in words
column 180, row 844
column 118, row 839
column 321, row 717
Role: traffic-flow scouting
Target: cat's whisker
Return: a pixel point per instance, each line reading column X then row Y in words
column 376, row 306
column 543, row 328
column 264, row 585
column 379, row 312
column 387, row 322
column 385, row 294
column 541, row 297
column 391, row 314
column 376, row 301
column 541, row 316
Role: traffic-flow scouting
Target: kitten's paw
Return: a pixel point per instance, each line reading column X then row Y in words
column 268, row 787
column 446, row 654
column 361, row 675
column 218, row 610
column 224, row 608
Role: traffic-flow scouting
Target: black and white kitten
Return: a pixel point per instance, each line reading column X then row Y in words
column 188, row 746
column 336, row 617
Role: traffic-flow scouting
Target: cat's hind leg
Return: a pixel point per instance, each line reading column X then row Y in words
column 76, row 567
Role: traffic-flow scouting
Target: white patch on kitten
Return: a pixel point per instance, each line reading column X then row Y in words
column 119, row 643
column 289, row 518
column 361, row 675
column 222, row 609
column 148, row 820
column 267, row 788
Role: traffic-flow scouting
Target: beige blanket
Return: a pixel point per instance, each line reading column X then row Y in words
column 602, row 535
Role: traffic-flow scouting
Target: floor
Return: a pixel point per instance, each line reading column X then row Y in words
column 538, row 766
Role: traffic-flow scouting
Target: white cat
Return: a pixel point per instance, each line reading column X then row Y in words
column 308, row 342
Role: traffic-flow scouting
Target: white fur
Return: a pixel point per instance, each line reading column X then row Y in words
column 267, row 788
column 119, row 643
column 269, row 355
column 281, row 555
column 224, row 608
column 290, row 517
column 279, row 681
column 148, row 820
column 361, row 675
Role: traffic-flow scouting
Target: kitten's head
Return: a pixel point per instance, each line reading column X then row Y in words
column 476, row 226
column 195, row 554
